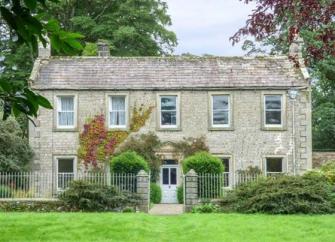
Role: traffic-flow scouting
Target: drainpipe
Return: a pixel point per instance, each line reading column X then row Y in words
column 293, row 93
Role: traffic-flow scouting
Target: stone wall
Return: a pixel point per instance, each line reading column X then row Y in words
column 246, row 142
column 320, row 158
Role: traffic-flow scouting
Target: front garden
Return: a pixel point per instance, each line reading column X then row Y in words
column 146, row 228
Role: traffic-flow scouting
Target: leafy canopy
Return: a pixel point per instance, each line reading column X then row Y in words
column 25, row 22
column 132, row 27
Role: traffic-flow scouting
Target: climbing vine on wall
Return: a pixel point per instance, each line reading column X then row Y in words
column 97, row 144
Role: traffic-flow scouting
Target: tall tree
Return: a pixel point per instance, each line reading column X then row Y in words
column 132, row 27
column 274, row 23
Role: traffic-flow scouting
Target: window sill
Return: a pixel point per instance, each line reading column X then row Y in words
column 65, row 130
column 221, row 128
column 264, row 128
column 118, row 128
column 174, row 129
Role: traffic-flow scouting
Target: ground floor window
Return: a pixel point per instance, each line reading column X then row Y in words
column 65, row 171
column 274, row 166
column 227, row 171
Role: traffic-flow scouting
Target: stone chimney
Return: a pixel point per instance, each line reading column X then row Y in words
column 44, row 52
column 295, row 50
column 103, row 49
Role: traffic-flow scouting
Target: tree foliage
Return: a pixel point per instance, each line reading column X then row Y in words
column 274, row 23
column 15, row 152
column 25, row 22
column 286, row 18
column 132, row 27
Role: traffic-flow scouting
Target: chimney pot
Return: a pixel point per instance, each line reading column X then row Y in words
column 103, row 49
column 295, row 49
column 44, row 52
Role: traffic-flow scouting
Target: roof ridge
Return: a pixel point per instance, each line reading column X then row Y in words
column 259, row 57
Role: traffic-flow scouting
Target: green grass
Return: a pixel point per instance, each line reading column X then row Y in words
column 143, row 227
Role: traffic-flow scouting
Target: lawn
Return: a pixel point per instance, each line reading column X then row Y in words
column 143, row 227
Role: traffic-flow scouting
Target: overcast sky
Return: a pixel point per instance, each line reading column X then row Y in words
column 204, row 26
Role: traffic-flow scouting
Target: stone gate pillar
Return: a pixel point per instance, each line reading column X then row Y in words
column 190, row 190
column 143, row 190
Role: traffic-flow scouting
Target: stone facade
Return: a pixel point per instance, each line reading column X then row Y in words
column 246, row 142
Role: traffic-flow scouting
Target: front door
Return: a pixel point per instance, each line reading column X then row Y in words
column 169, row 176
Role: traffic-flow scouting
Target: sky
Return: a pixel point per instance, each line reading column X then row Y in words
column 204, row 26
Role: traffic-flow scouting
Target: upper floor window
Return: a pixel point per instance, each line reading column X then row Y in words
column 169, row 111
column 273, row 110
column 65, row 112
column 220, row 111
column 117, row 112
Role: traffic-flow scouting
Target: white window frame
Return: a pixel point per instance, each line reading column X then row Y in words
column 231, row 173
column 177, row 125
column 281, row 125
column 212, row 111
column 58, row 105
column 284, row 163
column 109, row 100
column 74, row 163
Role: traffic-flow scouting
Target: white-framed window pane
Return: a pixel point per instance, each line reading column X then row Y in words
column 273, row 102
column 169, row 118
column 220, row 102
column 66, row 118
column 220, row 112
column 273, row 109
column 117, row 114
column 118, row 103
column 65, row 172
column 168, row 103
column 65, row 165
column 274, row 165
column 220, row 117
column 273, row 117
column 117, row 118
column 67, row 103
column 66, row 111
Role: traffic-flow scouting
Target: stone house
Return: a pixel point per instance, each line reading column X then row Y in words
column 253, row 111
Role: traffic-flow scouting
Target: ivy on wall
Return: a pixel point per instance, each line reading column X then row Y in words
column 97, row 144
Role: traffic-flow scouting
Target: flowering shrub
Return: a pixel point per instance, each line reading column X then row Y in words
column 97, row 144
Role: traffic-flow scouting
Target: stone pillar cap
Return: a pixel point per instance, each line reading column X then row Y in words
column 142, row 173
column 191, row 173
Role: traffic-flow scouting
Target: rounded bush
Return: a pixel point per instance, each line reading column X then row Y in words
column 203, row 162
column 328, row 169
column 128, row 162
column 282, row 195
column 180, row 194
column 155, row 193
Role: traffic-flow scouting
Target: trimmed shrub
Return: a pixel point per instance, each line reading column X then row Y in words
column 128, row 162
column 85, row 196
column 5, row 192
column 203, row 162
column 180, row 194
column 145, row 145
column 155, row 193
column 281, row 195
column 205, row 208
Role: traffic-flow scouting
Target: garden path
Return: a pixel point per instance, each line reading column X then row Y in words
column 167, row 209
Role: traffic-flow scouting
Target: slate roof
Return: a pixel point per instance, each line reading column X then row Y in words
column 152, row 73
